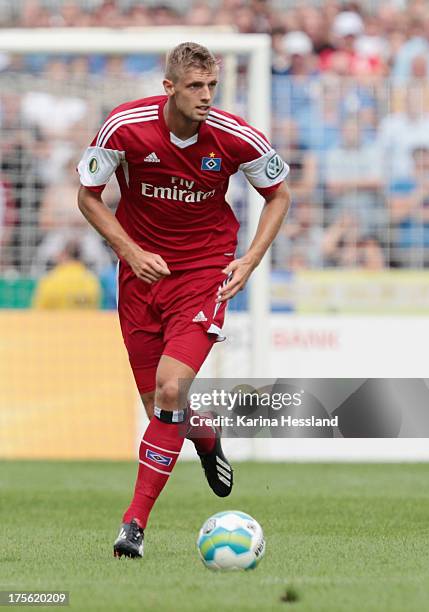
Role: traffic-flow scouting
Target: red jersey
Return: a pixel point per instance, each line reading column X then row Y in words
column 173, row 191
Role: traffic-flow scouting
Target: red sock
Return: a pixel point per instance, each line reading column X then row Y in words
column 159, row 451
column 203, row 436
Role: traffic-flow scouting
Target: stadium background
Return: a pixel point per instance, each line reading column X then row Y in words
column 349, row 290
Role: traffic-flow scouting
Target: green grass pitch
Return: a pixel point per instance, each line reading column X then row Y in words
column 342, row 537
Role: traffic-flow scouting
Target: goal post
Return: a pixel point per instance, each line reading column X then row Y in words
column 231, row 45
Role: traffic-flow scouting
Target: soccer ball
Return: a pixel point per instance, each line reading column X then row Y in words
column 231, row 540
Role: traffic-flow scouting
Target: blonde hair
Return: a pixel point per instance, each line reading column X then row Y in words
column 189, row 55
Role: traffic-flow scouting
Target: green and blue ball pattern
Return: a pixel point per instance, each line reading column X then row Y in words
column 231, row 540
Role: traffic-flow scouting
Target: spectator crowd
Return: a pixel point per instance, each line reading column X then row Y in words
column 350, row 114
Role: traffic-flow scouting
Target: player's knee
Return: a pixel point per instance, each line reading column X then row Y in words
column 167, row 394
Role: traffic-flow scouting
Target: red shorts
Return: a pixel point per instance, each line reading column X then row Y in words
column 176, row 316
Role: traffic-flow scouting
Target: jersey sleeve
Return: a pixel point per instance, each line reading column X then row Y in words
column 102, row 157
column 265, row 172
column 260, row 163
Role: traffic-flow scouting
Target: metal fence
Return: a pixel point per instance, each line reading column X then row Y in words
column 358, row 152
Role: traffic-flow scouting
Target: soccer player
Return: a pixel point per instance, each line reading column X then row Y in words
column 175, row 237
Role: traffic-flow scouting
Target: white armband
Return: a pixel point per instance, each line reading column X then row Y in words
column 265, row 171
column 97, row 165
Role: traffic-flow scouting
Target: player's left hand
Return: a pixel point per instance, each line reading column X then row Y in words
column 240, row 270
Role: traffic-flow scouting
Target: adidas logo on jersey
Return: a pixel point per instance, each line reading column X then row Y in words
column 199, row 317
column 152, row 157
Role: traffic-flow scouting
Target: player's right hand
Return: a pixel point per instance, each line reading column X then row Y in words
column 149, row 267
